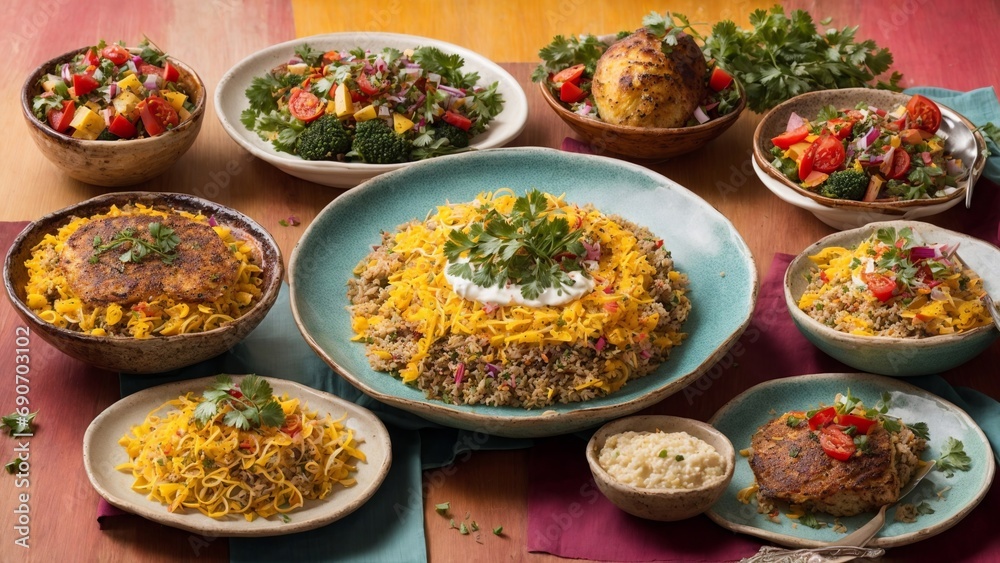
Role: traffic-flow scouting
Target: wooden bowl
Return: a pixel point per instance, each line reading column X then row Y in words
column 643, row 142
column 114, row 163
column 963, row 141
column 158, row 353
column 665, row 505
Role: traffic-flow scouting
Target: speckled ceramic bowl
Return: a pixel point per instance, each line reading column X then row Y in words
column 963, row 141
column 161, row 353
column 661, row 504
column 887, row 355
column 114, row 163
column 642, row 142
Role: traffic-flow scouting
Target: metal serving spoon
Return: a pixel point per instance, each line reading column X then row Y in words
column 846, row 548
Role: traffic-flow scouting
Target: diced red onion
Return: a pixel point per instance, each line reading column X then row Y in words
column 593, row 250
column 599, row 345
column 383, row 111
column 131, row 66
column 136, row 59
column 152, row 82
column 794, row 122
column 919, row 252
column 868, row 138
column 711, row 106
column 584, row 109
column 700, row 115
column 954, row 167
column 492, row 370
column 926, row 156
column 453, row 91
column 490, row 308
column 459, row 374
column 876, row 159
column 645, row 354
column 381, row 65
column 66, row 74
column 295, row 61
column 433, row 77
column 886, row 165
column 412, row 66
column 938, row 295
column 417, row 103
column 570, row 144
column 106, row 114
column 368, row 67
column 212, row 222
column 98, row 75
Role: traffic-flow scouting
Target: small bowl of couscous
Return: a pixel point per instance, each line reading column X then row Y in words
column 662, row 468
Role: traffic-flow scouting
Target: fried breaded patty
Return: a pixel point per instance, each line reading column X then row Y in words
column 203, row 268
column 816, row 481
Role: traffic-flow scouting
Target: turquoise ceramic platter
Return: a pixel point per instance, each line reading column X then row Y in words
column 705, row 246
column 741, row 417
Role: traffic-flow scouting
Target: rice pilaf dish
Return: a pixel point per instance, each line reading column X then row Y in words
column 140, row 272
column 891, row 285
column 463, row 351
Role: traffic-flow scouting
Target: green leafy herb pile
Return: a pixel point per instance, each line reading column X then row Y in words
column 528, row 248
column 163, row 245
column 251, row 403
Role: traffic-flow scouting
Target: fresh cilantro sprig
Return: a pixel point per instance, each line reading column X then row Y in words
column 448, row 66
column 564, row 52
column 310, row 56
column 164, row 244
column 251, row 401
column 527, row 248
column 783, row 56
column 17, row 424
column 953, row 458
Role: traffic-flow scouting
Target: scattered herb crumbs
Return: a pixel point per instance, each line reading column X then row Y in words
column 663, row 453
column 463, row 530
column 474, row 526
column 164, row 244
column 678, row 457
column 451, row 523
column 953, row 457
column 283, row 223
column 442, row 508
column 920, row 429
column 11, row 466
column 498, row 531
column 285, row 518
column 793, row 451
column 811, row 521
column 925, row 508
column 793, row 421
column 17, row 424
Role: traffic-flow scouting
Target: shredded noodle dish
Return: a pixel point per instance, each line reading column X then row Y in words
column 219, row 469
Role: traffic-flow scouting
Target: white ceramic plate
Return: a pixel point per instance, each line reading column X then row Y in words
column 741, row 417
column 230, row 101
column 101, row 453
column 842, row 218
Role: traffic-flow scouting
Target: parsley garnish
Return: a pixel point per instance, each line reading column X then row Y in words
column 678, row 457
column 309, row 55
column 251, row 403
column 663, row 453
column 565, row 52
column 793, row 421
column 925, row 508
column 442, row 508
column 920, row 430
column 164, row 245
column 498, row 530
column 811, row 521
column 793, row 451
column 17, row 424
column 11, row 466
column 521, row 248
column 953, row 458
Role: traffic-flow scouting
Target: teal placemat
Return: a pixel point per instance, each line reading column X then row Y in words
column 390, row 526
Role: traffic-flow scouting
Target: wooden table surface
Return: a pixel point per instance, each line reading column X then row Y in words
column 213, row 35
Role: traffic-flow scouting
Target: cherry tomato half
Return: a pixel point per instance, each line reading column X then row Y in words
column 304, row 105
column 571, row 93
column 121, row 127
column 147, row 69
column 157, row 115
column 841, row 128
column 830, row 153
column 806, row 162
column 882, row 287
column 570, row 74
column 924, row 114
column 90, row 59
column 60, row 118
column 116, row 54
column 836, row 444
column 789, row 138
column 366, row 86
column 822, row 418
column 861, row 423
column 900, row 165
column 170, row 73
column 719, row 80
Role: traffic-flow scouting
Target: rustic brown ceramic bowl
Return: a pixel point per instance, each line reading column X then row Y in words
column 642, row 142
column 156, row 354
column 661, row 504
column 963, row 141
column 114, row 163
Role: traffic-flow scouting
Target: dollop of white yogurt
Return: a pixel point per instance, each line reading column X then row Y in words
column 510, row 294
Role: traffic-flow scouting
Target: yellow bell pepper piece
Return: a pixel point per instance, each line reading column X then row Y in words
column 131, row 84
column 176, row 99
column 401, row 123
column 86, row 124
column 365, row 113
column 342, row 103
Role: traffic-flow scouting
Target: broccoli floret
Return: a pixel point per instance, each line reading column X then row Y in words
column 457, row 137
column 324, row 139
column 845, row 184
column 375, row 142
